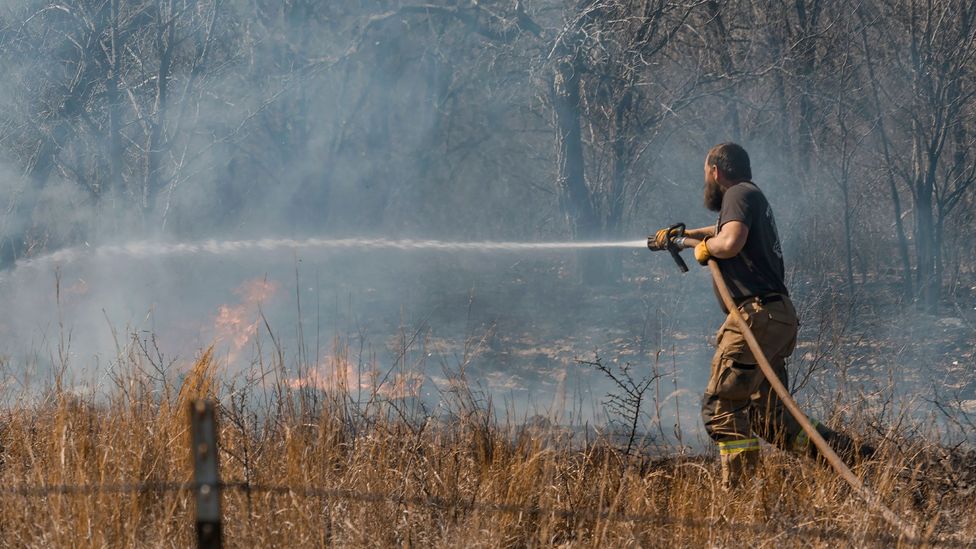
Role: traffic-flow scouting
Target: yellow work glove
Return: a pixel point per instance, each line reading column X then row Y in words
column 702, row 255
column 660, row 239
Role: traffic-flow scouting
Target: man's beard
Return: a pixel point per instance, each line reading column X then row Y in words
column 713, row 196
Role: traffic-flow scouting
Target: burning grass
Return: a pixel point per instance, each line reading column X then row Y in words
column 387, row 472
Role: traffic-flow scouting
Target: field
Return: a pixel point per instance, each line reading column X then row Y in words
column 323, row 472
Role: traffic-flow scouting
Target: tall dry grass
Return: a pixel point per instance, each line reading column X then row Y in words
column 574, row 493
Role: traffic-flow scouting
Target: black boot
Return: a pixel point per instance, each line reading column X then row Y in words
column 849, row 451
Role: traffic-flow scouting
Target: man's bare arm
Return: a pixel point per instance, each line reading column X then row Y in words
column 701, row 233
column 727, row 243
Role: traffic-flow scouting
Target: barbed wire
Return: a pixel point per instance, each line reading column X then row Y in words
column 461, row 504
column 92, row 489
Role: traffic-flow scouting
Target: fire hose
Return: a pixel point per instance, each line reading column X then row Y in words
column 784, row 395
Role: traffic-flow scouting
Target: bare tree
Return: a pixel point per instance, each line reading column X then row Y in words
column 936, row 57
column 884, row 144
column 608, row 78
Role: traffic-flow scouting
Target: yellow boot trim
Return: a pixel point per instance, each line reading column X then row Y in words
column 738, row 446
column 802, row 441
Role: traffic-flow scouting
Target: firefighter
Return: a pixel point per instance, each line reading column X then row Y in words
column 739, row 406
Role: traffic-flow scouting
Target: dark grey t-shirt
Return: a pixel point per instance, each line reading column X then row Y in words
column 758, row 269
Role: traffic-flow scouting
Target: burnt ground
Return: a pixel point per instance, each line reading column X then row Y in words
column 527, row 332
column 524, row 330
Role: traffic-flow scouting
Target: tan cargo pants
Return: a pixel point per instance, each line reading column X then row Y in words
column 739, row 404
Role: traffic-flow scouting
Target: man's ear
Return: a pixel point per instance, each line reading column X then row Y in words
column 720, row 176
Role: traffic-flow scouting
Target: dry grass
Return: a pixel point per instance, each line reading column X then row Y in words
column 303, row 438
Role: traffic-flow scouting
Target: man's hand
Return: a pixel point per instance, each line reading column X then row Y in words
column 660, row 239
column 702, row 255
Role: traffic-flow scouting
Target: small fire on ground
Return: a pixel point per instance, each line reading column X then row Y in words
column 339, row 375
column 236, row 325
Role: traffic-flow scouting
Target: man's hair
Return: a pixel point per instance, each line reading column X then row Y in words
column 732, row 159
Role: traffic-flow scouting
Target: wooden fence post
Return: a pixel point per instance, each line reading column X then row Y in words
column 203, row 428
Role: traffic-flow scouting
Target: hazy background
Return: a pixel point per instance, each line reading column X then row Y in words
column 180, row 121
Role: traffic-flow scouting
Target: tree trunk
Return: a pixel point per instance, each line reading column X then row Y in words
column 848, row 232
column 906, row 262
column 573, row 195
column 718, row 35
column 926, row 275
column 114, row 98
column 165, row 42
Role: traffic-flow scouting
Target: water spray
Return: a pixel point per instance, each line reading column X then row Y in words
column 146, row 249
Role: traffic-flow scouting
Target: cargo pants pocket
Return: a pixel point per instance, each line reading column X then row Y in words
column 735, row 381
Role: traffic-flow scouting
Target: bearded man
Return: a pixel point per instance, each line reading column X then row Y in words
column 739, row 405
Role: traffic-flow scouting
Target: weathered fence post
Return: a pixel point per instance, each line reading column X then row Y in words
column 203, row 428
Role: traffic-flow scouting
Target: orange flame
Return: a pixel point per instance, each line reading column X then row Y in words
column 239, row 323
column 336, row 374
